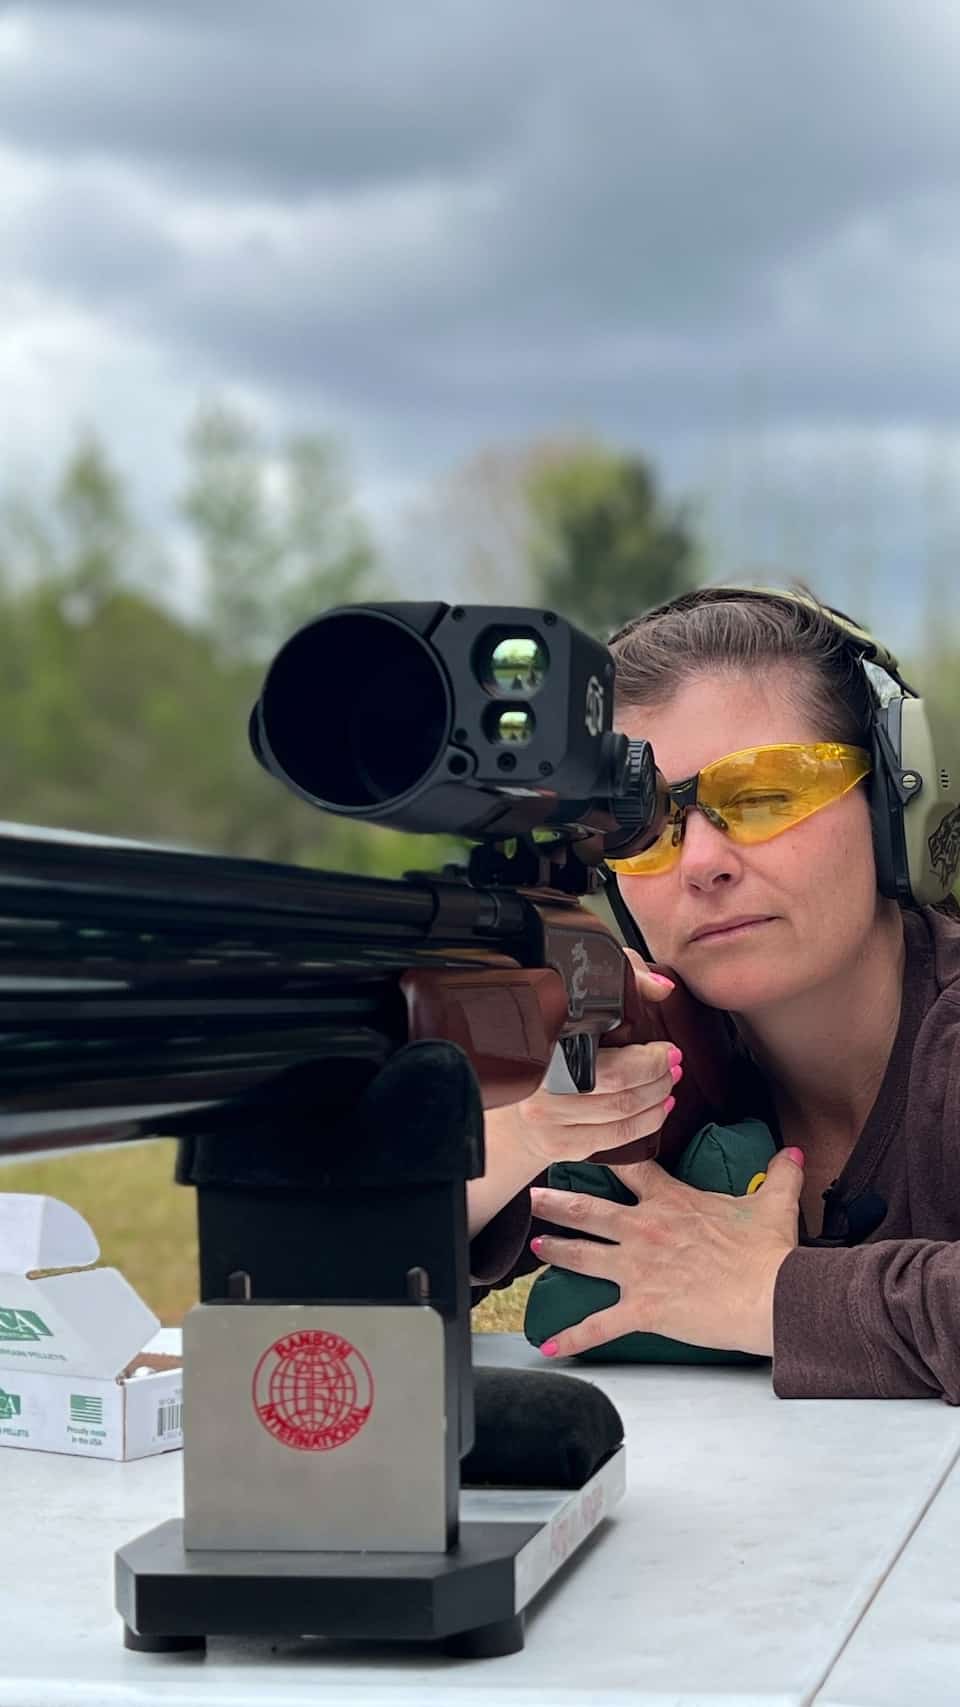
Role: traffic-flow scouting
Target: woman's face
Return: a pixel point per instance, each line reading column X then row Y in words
column 813, row 887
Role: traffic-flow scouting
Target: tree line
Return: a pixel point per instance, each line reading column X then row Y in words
column 126, row 716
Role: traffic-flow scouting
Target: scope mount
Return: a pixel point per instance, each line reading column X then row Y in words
column 569, row 864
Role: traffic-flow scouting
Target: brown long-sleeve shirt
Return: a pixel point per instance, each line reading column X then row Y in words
column 879, row 1318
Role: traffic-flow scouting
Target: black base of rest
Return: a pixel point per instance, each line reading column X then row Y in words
column 173, row 1599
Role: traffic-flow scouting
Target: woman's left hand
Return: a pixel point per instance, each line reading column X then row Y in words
column 693, row 1265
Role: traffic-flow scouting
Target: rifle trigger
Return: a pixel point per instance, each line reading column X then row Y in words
column 573, row 1065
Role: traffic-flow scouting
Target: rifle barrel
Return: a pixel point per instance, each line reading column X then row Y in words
column 147, row 989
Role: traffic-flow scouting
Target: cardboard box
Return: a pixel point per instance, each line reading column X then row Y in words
column 74, row 1374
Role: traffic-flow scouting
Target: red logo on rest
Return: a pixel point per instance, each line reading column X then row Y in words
column 313, row 1390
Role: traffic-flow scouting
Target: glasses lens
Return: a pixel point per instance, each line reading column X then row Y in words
column 765, row 790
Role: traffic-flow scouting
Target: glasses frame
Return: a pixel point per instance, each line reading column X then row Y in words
column 684, row 797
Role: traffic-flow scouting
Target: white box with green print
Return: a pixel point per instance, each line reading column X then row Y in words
column 76, row 1371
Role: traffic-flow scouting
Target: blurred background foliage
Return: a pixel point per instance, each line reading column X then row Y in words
column 125, row 716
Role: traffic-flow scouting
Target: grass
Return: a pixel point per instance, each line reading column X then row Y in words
column 146, row 1225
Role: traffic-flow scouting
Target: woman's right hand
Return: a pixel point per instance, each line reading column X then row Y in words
column 633, row 1096
column 632, row 1100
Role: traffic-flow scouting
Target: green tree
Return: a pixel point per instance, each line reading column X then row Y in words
column 125, row 718
column 607, row 546
column 277, row 538
column 83, row 539
column 95, row 526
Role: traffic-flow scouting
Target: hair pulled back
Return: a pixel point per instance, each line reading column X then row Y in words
column 740, row 630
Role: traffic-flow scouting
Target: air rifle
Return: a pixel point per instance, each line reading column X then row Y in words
column 323, row 1047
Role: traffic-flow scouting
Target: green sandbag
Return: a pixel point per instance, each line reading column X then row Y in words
column 719, row 1158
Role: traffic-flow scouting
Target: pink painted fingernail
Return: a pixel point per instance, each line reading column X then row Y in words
column 549, row 1348
column 796, row 1156
column 676, row 1073
column 536, row 1245
column 670, row 1103
column 674, row 1056
column 659, row 978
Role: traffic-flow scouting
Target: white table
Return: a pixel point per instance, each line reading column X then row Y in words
column 906, row 1649
column 753, row 1539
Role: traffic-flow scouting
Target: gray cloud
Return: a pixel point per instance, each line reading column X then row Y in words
column 277, row 98
column 654, row 175
column 445, row 223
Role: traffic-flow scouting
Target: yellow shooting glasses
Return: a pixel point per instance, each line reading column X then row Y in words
column 752, row 796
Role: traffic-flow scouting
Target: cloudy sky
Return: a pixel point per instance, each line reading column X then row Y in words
column 723, row 232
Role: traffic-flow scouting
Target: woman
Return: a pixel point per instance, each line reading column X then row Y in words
column 845, row 1266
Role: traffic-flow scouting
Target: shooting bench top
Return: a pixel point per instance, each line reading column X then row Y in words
column 767, row 1551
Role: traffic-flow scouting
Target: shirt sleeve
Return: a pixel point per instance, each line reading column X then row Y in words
column 878, row 1321
column 500, row 1253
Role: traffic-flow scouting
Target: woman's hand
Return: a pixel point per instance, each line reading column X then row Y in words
column 693, row 1265
column 631, row 1100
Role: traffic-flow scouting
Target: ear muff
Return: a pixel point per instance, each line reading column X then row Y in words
column 914, row 788
column 914, row 791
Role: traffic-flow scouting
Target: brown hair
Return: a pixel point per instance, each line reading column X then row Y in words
column 738, row 628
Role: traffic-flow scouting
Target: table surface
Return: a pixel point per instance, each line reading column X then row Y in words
column 766, row 1551
column 906, row 1649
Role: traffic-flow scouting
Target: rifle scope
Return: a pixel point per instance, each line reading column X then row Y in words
column 468, row 720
